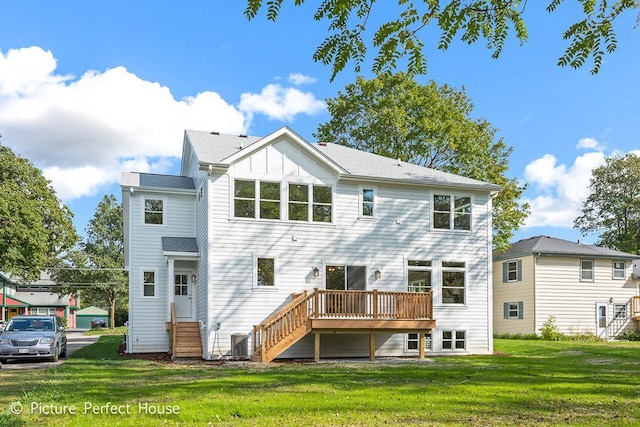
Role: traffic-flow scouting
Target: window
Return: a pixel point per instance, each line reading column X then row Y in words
column 512, row 271
column 451, row 212
column 244, row 199
column 346, row 277
column 149, row 284
column 586, row 270
column 270, row 200
column 454, row 340
column 181, row 284
column 513, row 310
column 298, row 202
column 419, row 276
column 620, row 311
column 413, row 341
column 453, row 282
column 154, row 211
column 43, row 311
column 367, row 205
column 619, row 270
column 265, row 272
column 322, row 204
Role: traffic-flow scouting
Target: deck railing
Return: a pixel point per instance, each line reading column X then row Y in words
column 330, row 304
column 635, row 308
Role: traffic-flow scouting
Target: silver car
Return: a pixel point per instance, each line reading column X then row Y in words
column 27, row 337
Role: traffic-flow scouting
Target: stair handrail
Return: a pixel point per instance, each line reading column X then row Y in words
column 174, row 321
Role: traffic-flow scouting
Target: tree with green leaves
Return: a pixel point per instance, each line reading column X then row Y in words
column 430, row 126
column 95, row 269
column 35, row 227
column 350, row 34
column 613, row 205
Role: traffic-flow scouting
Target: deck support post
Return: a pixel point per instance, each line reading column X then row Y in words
column 421, row 345
column 316, row 351
column 372, row 347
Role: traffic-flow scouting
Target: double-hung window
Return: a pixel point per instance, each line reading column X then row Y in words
column 418, row 276
column 619, row 269
column 586, row 270
column 298, row 202
column 512, row 271
column 310, row 203
column 513, row 310
column 154, row 211
column 367, row 203
column 453, row 282
column 256, row 199
column 322, row 203
column 149, row 283
column 265, row 272
column 620, row 311
column 244, row 198
column 451, row 212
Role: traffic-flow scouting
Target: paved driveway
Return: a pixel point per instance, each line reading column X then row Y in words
column 75, row 341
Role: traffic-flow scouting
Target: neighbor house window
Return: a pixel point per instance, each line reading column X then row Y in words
column 418, row 276
column 322, row 204
column 451, row 212
column 512, row 271
column 346, row 277
column 453, row 282
column 154, row 211
column 413, row 341
column 266, row 268
column 367, row 205
column 619, row 270
column 43, row 311
column 244, row 199
column 149, row 283
column 620, row 311
column 586, row 270
column 298, row 202
column 454, row 340
column 513, row 310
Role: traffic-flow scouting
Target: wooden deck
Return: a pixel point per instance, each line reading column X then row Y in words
column 635, row 309
column 343, row 312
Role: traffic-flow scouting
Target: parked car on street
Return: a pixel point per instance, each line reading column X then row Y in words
column 38, row 337
column 3, row 324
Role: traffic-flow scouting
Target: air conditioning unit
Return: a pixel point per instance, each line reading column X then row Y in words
column 239, row 346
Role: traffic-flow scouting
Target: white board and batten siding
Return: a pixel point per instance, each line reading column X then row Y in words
column 147, row 331
column 400, row 231
column 561, row 293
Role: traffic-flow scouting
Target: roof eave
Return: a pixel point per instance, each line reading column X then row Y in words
column 462, row 186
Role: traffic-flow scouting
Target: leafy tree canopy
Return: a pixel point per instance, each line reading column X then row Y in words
column 430, row 126
column 493, row 21
column 35, row 227
column 95, row 269
column 613, row 206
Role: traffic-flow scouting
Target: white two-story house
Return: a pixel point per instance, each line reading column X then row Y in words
column 277, row 247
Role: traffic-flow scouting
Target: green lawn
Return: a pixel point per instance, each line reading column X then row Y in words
column 530, row 383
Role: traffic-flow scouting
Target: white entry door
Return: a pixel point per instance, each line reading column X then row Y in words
column 602, row 320
column 182, row 288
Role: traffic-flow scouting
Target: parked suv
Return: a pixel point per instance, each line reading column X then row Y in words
column 41, row 337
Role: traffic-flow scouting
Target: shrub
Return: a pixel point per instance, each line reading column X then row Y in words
column 630, row 336
column 549, row 331
column 517, row 336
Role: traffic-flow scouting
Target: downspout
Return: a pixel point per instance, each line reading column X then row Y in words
column 490, row 273
column 535, row 300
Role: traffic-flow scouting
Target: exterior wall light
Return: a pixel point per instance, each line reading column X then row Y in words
column 193, row 278
column 377, row 274
column 316, row 272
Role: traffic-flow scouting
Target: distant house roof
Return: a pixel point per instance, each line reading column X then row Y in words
column 152, row 181
column 180, row 244
column 546, row 245
column 92, row 311
column 214, row 148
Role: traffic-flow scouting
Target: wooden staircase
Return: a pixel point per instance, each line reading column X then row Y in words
column 346, row 312
column 184, row 338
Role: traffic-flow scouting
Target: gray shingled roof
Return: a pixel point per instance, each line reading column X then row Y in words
column 179, row 244
column 214, row 148
column 553, row 246
column 150, row 180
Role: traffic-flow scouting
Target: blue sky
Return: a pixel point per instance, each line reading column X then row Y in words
column 91, row 89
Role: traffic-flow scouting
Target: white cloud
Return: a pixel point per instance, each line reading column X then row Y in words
column 589, row 144
column 301, row 79
column 280, row 103
column 559, row 190
column 83, row 131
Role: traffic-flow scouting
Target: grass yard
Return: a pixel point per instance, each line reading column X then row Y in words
column 531, row 383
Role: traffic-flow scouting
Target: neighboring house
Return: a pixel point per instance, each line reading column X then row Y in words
column 276, row 247
column 586, row 288
column 39, row 297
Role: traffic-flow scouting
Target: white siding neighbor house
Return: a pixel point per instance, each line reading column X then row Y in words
column 586, row 288
column 277, row 247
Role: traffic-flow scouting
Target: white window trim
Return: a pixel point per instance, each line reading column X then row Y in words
column 517, row 316
column 156, row 286
column 276, row 274
column 428, row 342
column 419, row 268
column 625, row 311
column 144, row 210
column 508, row 271
column 454, row 340
column 441, row 281
column 593, row 270
column 361, row 202
column 451, row 212
column 623, row 270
